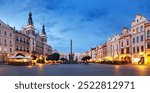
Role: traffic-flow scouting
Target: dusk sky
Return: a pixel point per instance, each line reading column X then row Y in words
column 87, row 22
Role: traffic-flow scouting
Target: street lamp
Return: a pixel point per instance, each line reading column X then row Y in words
column 141, row 54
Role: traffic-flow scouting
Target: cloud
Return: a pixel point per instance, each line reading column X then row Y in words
column 87, row 22
column 95, row 13
column 54, row 38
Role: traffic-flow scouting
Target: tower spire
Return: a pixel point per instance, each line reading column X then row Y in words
column 43, row 28
column 30, row 21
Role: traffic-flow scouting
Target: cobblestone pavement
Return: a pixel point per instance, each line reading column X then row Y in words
column 75, row 70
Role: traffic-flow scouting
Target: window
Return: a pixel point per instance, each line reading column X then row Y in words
column 142, row 48
column 0, row 32
column 10, row 43
column 33, row 33
column 148, row 45
column 122, row 51
column 17, row 38
column 21, row 48
column 137, row 20
column 5, row 33
column 33, row 42
column 24, row 49
column 20, row 39
column 27, row 41
column 5, row 42
column 138, row 49
column 133, row 40
column 24, row 40
column 142, row 38
column 28, row 31
column 117, row 47
column 10, row 34
column 133, row 49
column 10, row 50
column 127, row 50
column 122, row 44
column 148, row 33
column 137, row 39
column 142, row 28
column 17, row 48
column 127, row 42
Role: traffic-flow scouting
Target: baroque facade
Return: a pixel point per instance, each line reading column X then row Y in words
column 132, row 45
column 25, row 41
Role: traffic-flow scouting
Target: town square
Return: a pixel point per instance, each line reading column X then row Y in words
column 63, row 38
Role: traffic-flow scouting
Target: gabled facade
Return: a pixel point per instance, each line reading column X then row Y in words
column 125, row 50
column 138, row 37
